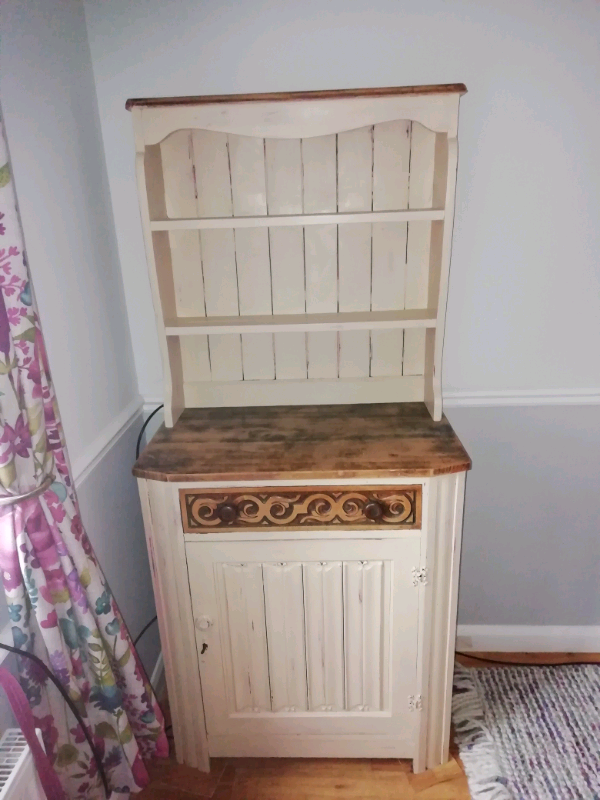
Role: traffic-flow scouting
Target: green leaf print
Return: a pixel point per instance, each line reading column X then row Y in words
column 67, row 754
column 4, row 175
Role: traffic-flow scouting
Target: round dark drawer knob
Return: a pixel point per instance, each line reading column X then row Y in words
column 373, row 510
column 227, row 512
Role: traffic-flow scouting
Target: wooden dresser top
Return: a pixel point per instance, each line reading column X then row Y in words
column 303, row 442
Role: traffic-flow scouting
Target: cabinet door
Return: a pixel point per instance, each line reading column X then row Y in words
column 307, row 647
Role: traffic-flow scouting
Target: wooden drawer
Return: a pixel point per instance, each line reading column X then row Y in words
column 211, row 510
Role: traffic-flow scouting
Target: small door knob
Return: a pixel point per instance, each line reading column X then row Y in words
column 203, row 623
column 373, row 510
column 227, row 512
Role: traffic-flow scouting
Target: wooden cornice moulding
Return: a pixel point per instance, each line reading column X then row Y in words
column 274, row 97
column 212, row 510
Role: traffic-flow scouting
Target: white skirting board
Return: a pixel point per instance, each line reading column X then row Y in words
column 529, row 638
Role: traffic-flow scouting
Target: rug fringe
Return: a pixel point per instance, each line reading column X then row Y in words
column 474, row 741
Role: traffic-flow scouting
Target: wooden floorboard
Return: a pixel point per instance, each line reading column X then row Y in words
column 328, row 779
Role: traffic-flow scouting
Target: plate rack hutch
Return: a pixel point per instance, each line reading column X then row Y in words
column 303, row 500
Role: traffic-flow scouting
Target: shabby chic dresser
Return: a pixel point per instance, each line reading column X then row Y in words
column 303, row 500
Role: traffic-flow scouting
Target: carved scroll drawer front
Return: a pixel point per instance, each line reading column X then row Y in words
column 211, row 510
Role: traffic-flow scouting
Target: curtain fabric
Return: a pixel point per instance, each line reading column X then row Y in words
column 60, row 605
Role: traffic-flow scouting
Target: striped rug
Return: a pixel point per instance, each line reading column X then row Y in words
column 529, row 733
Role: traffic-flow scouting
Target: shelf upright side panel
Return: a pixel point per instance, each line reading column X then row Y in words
column 180, row 200
column 319, row 169
column 446, row 163
column 391, row 156
column 213, row 190
column 284, row 196
column 249, row 192
column 420, row 195
column 355, row 193
column 151, row 195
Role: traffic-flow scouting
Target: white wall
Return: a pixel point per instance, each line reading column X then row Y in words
column 51, row 115
column 523, row 312
column 523, row 308
column 531, row 539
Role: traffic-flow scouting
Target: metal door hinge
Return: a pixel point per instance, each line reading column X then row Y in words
column 419, row 576
column 415, row 702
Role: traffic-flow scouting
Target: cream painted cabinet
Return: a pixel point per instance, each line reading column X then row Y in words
column 303, row 500
column 308, row 647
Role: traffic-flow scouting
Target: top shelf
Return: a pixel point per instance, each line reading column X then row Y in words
column 276, row 221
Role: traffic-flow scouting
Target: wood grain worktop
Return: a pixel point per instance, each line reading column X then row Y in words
column 303, row 442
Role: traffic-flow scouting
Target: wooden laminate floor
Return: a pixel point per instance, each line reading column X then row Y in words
column 326, row 779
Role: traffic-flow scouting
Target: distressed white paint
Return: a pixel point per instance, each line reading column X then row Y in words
column 213, row 186
column 284, row 612
column 324, row 635
column 355, row 193
column 319, row 174
column 420, row 195
column 286, row 244
column 391, row 158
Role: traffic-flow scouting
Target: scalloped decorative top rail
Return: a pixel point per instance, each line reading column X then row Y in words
column 273, row 97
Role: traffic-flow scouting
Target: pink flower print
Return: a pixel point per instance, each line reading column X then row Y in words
column 55, row 584
column 5, row 264
column 14, row 316
column 22, row 439
column 11, row 286
column 77, row 527
column 34, row 374
column 51, row 620
column 76, row 589
column 60, row 667
column 40, row 535
column 57, row 510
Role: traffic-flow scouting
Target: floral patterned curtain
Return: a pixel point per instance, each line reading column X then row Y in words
column 59, row 602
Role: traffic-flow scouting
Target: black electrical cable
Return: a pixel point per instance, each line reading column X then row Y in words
column 137, row 455
column 143, row 631
column 144, row 426
column 500, row 662
column 71, row 705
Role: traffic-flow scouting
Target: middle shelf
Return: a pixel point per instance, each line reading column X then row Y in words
column 293, row 220
column 279, row 323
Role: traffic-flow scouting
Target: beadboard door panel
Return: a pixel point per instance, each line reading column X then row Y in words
column 307, row 637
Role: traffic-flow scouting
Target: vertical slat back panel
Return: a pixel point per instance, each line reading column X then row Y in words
column 324, row 614
column 213, row 190
column 284, row 611
column 249, row 193
column 391, row 156
column 284, row 196
column 355, row 193
column 319, row 169
column 422, row 160
column 180, row 200
column 245, row 612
